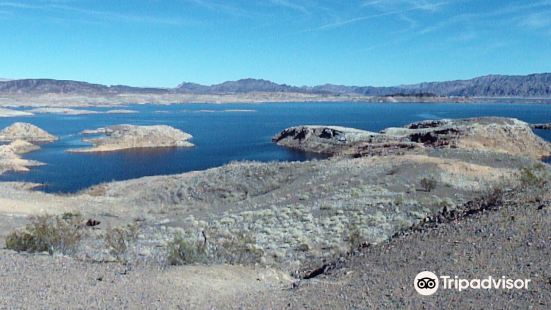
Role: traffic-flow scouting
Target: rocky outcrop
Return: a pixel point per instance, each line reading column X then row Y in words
column 26, row 132
column 123, row 137
column 10, row 159
column 505, row 135
column 488, row 133
column 21, row 137
column 323, row 139
column 546, row 126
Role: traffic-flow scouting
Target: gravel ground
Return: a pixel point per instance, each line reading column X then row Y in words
column 45, row 282
column 512, row 241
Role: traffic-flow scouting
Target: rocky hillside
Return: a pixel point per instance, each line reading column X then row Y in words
column 45, row 86
column 533, row 85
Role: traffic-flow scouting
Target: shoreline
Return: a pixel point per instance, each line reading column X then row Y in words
column 290, row 219
column 75, row 101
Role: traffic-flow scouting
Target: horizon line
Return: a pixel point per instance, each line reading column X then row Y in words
column 2, row 80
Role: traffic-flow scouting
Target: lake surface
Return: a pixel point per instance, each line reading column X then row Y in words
column 223, row 133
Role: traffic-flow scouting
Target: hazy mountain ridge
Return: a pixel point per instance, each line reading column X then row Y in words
column 44, row 86
column 533, row 85
column 39, row 86
column 240, row 86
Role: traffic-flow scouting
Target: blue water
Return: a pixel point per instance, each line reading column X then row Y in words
column 221, row 136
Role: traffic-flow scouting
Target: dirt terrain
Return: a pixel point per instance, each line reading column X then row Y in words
column 509, row 238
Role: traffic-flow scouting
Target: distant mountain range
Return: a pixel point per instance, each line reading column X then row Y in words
column 533, row 85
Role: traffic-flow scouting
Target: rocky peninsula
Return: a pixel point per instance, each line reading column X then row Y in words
column 10, row 159
column 495, row 134
column 21, row 137
column 123, row 137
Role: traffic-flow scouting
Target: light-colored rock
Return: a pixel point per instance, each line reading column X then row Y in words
column 10, row 159
column 123, row 137
column 18, row 147
column 13, row 113
column 99, row 131
column 495, row 134
column 323, row 139
column 65, row 111
column 121, row 111
column 20, row 135
column 26, row 132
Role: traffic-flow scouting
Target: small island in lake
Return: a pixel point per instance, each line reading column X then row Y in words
column 123, row 137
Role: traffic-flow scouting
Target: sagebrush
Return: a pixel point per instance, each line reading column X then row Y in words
column 48, row 233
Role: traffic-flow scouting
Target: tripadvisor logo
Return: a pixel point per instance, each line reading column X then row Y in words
column 427, row 283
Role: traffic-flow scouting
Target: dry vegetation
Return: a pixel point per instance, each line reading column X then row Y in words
column 54, row 234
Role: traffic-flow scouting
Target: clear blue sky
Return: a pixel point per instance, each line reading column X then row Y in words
column 354, row 42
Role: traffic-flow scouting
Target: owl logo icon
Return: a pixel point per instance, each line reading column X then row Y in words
column 426, row 283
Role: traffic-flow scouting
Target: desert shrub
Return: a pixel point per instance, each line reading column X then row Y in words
column 54, row 234
column 399, row 200
column 238, row 248
column 534, row 176
column 355, row 238
column 119, row 239
column 428, row 184
column 70, row 215
column 493, row 197
column 185, row 251
column 24, row 241
column 230, row 248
